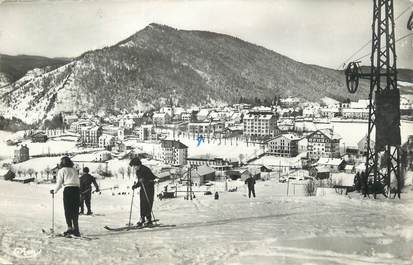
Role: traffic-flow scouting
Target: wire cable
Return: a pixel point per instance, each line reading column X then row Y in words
column 341, row 66
column 399, row 39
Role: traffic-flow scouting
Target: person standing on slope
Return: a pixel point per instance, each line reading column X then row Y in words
column 251, row 186
column 68, row 177
column 86, row 181
column 145, row 180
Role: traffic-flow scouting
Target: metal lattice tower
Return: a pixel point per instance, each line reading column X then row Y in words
column 383, row 77
column 384, row 101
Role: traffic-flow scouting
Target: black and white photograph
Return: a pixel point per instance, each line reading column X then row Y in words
column 206, row 132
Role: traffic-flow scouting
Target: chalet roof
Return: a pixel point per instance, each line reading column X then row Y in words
column 288, row 136
column 328, row 133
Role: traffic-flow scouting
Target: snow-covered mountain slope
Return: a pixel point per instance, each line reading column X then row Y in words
column 270, row 229
column 159, row 62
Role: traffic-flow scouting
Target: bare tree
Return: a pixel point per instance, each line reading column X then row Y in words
column 122, row 172
column 19, row 172
column 30, row 171
column 241, row 157
column 129, row 171
column 47, row 171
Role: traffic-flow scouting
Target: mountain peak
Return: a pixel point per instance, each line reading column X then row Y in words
column 154, row 25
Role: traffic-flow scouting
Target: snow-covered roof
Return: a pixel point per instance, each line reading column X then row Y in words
column 159, row 115
column 349, row 167
column 288, row 136
column 330, row 161
column 330, row 134
column 354, row 110
column 342, row 179
column 203, row 170
column 261, row 115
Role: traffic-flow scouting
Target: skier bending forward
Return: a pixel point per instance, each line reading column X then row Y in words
column 145, row 180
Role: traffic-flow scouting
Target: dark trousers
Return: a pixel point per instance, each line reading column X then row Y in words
column 71, row 205
column 146, row 206
column 85, row 198
column 251, row 190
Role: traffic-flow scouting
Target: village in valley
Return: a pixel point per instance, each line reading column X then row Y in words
column 290, row 141
column 206, row 132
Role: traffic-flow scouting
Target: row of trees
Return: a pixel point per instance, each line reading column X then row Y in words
column 256, row 101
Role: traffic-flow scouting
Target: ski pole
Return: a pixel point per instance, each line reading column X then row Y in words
column 53, row 213
column 147, row 199
column 131, row 204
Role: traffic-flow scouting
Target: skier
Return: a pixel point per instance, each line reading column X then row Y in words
column 251, row 189
column 86, row 181
column 68, row 177
column 145, row 180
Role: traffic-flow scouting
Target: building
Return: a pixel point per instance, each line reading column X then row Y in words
column 103, row 156
column 200, row 175
column 145, row 132
column 205, row 128
column 302, row 145
column 285, row 145
column 39, row 137
column 54, row 132
column 127, row 123
column 174, row 152
column 90, row 135
column 78, row 125
column 333, row 164
column 329, row 112
column 216, row 163
column 106, row 141
column 362, row 145
column 120, row 133
column 119, row 147
column 186, row 116
column 260, row 124
column 160, row 118
column 21, row 154
column 289, row 102
column 352, row 113
column 250, row 173
column 203, row 114
column 69, row 119
column 323, row 143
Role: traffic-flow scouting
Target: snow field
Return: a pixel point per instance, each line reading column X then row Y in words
column 269, row 229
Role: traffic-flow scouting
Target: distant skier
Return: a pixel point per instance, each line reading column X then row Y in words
column 86, row 181
column 145, row 180
column 68, row 177
column 251, row 183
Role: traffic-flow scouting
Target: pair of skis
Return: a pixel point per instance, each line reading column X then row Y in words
column 137, row 227
column 51, row 234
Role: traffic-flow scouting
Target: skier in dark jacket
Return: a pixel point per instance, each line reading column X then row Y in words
column 251, row 189
column 86, row 181
column 145, row 180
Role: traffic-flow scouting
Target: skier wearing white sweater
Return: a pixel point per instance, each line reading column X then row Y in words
column 68, row 177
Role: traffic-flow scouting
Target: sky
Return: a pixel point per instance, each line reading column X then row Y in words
column 322, row 32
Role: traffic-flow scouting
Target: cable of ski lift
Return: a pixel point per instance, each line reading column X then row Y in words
column 409, row 26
